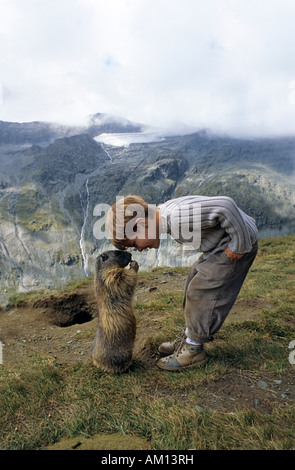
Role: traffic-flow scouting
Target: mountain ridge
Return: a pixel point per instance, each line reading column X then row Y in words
column 49, row 189
column 45, row 132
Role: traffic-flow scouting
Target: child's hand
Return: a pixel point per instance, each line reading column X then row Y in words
column 231, row 255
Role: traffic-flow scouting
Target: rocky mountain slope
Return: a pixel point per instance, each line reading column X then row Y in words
column 52, row 177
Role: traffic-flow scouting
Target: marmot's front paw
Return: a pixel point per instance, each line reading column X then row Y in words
column 134, row 265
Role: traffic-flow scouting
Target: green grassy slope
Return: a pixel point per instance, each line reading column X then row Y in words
column 243, row 399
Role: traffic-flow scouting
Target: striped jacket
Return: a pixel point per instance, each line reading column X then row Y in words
column 209, row 224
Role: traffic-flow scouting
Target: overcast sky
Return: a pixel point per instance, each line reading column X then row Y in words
column 227, row 65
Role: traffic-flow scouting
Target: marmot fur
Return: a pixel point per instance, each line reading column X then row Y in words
column 116, row 328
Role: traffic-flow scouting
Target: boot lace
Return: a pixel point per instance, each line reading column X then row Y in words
column 179, row 342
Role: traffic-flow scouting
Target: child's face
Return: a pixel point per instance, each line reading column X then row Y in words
column 142, row 240
column 142, row 244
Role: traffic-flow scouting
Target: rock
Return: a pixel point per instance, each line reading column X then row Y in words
column 199, row 408
column 101, row 442
column 262, row 384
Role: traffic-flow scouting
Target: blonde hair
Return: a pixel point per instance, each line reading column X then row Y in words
column 122, row 212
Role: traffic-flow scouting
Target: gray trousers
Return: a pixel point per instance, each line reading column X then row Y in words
column 212, row 286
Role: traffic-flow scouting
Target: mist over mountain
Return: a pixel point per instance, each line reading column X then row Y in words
column 14, row 133
column 53, row 176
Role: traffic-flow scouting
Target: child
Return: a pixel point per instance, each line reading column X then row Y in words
column 228, row 240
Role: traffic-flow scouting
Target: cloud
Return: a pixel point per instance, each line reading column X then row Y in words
column 221, row 64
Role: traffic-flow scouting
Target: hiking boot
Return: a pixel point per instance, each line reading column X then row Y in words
column 169, row 347
column 186, row 356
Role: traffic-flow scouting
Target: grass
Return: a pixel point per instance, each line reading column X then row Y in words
column 45, row 401
column 35, row 213
column 18, row 299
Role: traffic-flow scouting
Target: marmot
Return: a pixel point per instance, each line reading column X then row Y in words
column 116, row 328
